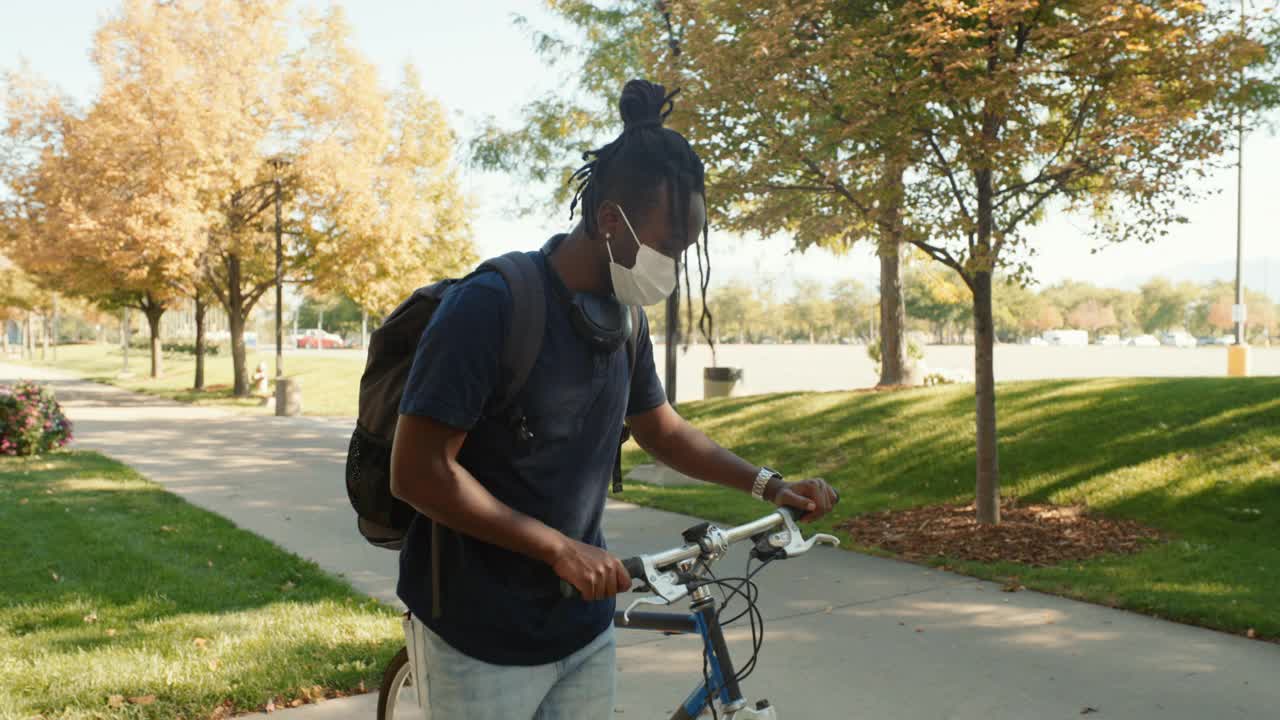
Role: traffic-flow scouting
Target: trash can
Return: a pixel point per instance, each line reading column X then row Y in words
column 288, row 396
column 720, row 382
column 1237, row 361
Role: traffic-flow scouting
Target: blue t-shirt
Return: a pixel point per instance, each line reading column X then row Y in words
column 499, row 606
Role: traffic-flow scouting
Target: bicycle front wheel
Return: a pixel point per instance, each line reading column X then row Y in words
column 398, row 695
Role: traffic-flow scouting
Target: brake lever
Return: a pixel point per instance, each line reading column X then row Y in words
column 790, row 542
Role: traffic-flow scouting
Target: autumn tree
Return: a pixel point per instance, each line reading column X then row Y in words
column 1092, row 315
column 1104, row 105
column 249, row 114
column 769, row 91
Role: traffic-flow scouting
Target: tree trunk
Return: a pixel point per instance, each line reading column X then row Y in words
column 201, row 307
column 988, row 487
column 44, row 338
column 238, row 355
column 364, row 328
column 236, row 316
column 988, row 470
column 124, row 340
column 893, row 320
column 154, row 311
column 53, row 328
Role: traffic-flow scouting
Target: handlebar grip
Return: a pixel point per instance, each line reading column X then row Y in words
column 634, row 566
column 797, row 513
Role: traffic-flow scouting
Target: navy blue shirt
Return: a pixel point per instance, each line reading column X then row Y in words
column 499, row 606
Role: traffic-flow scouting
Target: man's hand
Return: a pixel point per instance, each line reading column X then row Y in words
column 598, row 574
column 813, row 496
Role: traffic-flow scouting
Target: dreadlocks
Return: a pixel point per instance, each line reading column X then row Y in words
column 644, row 159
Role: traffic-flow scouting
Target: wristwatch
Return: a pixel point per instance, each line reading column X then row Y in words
column 763, row 478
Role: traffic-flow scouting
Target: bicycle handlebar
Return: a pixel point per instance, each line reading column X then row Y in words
column 716, row 541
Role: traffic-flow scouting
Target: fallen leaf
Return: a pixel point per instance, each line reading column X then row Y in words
column 91, row 618
column 143, row 700
column 210, row 563
column 1251, row 634
column 111, row 632
column 213, row 664
column 1012, row 587
column 297, row 702
column 23, row 501
column 271, row 706
column 919, row 629
column 200, row 643
column 1087, row 710
column 166, row 528
column 115, row 701
column 828, row 610
column 56, row 577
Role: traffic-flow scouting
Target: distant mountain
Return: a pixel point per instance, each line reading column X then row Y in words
column 1260, row 274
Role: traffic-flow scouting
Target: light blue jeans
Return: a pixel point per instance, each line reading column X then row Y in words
column 579, row 687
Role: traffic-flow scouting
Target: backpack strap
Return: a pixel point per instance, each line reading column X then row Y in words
column 634, row 340
column 632, row 343
column 528, row 320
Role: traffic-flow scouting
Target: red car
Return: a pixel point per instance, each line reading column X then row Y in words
column 316, row 339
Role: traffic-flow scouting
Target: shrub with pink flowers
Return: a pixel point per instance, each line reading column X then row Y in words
column 31, row 420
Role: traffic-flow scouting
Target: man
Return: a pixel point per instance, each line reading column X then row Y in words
column 523, row 508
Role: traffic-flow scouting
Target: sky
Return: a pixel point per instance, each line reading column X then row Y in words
column 478, row 64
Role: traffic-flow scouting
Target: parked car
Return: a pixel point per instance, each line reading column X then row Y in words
column 1066, row 337
column 317, row 339
column 1219, row 340
column 1144, row 341
column 1109, row 340
column 1178, row 339
column 1037, row 341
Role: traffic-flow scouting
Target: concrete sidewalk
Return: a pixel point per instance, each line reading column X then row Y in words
column 848, row 636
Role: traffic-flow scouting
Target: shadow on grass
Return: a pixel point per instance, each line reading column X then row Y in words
column 114, row 586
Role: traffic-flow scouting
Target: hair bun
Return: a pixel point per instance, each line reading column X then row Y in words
column 644, row 104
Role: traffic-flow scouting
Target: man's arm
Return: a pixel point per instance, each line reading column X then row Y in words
column 425, row 474
column 676, row 443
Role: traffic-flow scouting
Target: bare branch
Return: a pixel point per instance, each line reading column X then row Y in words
column 945, row 167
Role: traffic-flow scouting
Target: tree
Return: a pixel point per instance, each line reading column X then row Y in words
column 736, row 309
column 855, row 308
column 1165, row 306
column 760, row 112
column 1099, row 104
column 373, row 208
column 936, row 297
column 1092, row 315
column 808, row 312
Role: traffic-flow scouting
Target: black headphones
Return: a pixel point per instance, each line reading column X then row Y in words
column 602, row 321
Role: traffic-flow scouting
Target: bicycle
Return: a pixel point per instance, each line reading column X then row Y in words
column 671, row 576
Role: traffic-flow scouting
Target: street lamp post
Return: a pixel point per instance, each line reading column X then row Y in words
column 278, row 164
column 1238, row 311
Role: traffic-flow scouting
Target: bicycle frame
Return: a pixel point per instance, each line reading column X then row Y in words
column 721, row 676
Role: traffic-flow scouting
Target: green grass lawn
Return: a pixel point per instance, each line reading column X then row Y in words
column 113, row 587
column 1198, row 458
column 330, row 383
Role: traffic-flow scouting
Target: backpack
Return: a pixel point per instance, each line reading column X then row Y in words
column 381, row 518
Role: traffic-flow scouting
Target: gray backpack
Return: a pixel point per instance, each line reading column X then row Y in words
column 383, row 519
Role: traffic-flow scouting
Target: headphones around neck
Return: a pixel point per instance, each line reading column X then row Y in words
column 602, row 321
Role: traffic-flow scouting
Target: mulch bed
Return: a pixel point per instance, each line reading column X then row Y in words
column 1038, row 535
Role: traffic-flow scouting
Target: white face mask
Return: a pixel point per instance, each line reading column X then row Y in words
column 651, row 280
